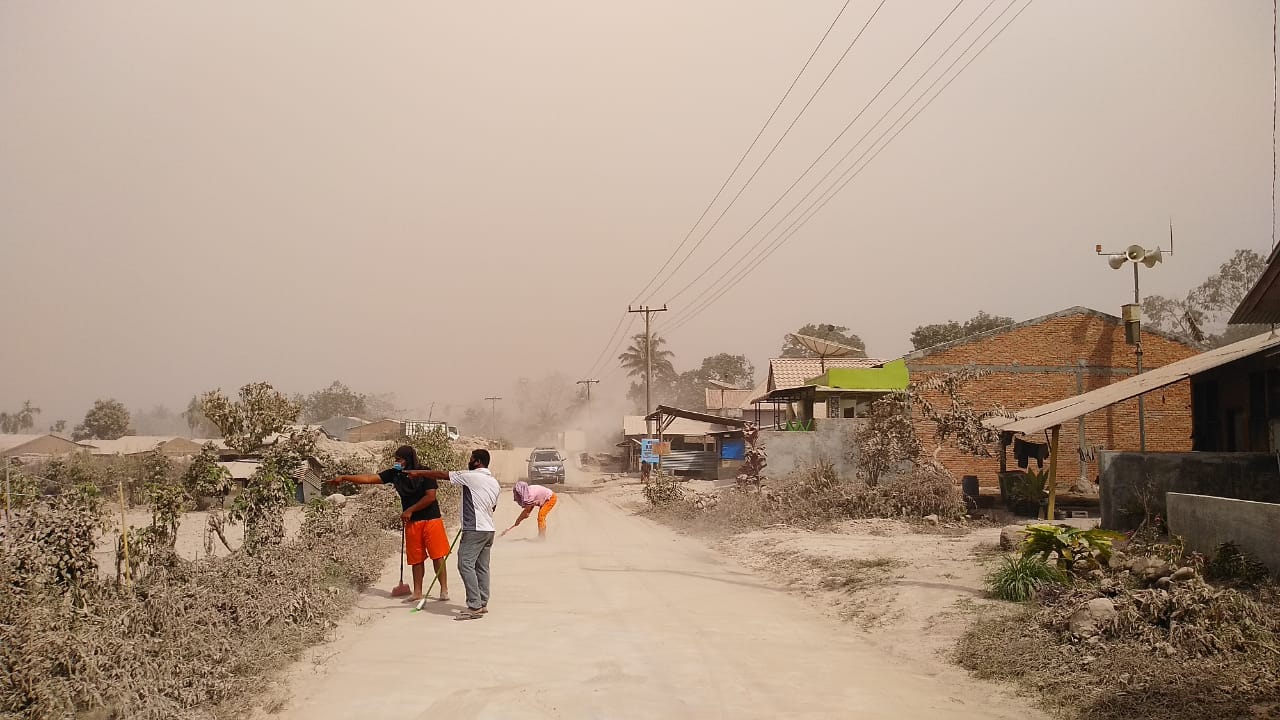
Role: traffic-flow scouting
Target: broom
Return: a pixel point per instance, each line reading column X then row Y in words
column 401, row 590
column 434, row 580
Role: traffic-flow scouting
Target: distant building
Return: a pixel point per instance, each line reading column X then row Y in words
column 138, row 444
column 37, row 446
column 339, row 425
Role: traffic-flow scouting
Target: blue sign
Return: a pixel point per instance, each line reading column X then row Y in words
column 648, row 451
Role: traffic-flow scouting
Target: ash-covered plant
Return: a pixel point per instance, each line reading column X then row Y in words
column 205, row 478
column 1019, row 579
column 53, row 541
column 887, row 439
column 663, row 490
column 152, row 547
column 1231, row 564
column 751, row 473
column 260, row 506
column 956, row 420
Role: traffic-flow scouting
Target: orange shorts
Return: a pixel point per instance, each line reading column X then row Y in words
column 425, row 539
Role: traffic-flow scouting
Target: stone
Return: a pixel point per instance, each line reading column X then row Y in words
column 337, row 499
column 1164, row 583
column 934, row 519
column 1011, row 536
column 1097, row 575
column 1089, row 619
column 1182, row 574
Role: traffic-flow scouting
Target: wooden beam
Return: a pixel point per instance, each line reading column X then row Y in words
column 1053, row 470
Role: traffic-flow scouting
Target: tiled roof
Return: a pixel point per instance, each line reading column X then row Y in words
column 786, row 373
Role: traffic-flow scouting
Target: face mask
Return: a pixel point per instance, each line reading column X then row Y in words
column 397, row 467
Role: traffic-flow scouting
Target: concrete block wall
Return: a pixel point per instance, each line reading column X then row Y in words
column 1131, row 479
column 1033, row 364
column 1205, row 522
column 831, row 441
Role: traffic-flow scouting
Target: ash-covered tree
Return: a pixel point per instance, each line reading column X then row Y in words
column 927, row 336
column 826, row 331
column 335, row 400
column 735, row 370
column 23, row 419
column 260, row 412
column 197, row 423
column 1207, row 306
column 107, row 420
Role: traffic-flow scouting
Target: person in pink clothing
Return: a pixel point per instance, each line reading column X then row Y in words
column 529, row 497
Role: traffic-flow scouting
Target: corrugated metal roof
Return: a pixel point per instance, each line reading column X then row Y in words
column 633, row 425
column 1262, row 304
column 1038, row 419
column 793, row 372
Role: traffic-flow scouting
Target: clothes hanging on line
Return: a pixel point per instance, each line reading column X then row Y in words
column 1026, row 451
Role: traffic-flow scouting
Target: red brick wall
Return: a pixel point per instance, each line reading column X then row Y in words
column 1047, row 354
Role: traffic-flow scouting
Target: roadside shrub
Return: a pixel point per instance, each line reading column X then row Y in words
column 1018, row 579
column 663, row 490
column 194, row 644
column 1230, row 563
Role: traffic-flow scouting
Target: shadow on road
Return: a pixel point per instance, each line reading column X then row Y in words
column 699, row 576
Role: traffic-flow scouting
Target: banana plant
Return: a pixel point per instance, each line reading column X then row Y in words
column 1069, row 544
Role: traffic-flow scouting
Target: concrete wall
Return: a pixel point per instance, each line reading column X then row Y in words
column 1206, row 522
column 829, row 441
column 1130, row 479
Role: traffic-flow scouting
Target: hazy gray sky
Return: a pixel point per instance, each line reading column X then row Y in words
column 434, row 198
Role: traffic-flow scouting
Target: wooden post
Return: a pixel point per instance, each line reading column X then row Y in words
column 1053, row 470
column 124, row 533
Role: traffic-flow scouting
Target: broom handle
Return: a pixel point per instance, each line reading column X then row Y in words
column 402, row 536
column 446, row 557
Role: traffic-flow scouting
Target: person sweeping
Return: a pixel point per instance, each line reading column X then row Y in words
column 529, row 497
column 424, row 533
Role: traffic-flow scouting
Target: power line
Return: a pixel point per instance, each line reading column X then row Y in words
column 846, row 178
column 821, row 155
column 595, row 365
column 773, row 149
column 744, row 256
column 742, row 159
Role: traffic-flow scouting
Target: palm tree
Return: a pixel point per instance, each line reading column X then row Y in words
column 633, row 359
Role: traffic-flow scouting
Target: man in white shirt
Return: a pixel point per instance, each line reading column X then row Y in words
column 480, row 493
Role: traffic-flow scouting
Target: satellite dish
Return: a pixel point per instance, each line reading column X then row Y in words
column 823, row 348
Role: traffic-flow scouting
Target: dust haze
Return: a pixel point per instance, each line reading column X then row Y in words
column 438, row 200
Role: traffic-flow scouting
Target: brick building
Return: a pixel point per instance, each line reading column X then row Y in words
column 1051, row 358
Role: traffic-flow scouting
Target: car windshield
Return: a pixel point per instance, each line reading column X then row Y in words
column 546, row 457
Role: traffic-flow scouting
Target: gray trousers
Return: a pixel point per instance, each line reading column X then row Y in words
column 473, row 565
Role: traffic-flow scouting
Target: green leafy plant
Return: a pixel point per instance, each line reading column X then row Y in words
column 1018, row 579
column 1069, row 545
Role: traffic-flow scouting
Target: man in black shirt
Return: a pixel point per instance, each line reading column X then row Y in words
column 424, row 533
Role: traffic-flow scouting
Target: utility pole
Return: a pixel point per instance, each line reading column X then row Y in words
column 1135, row 254
column 588, row 384
column 648, row 360
column 493, row 417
